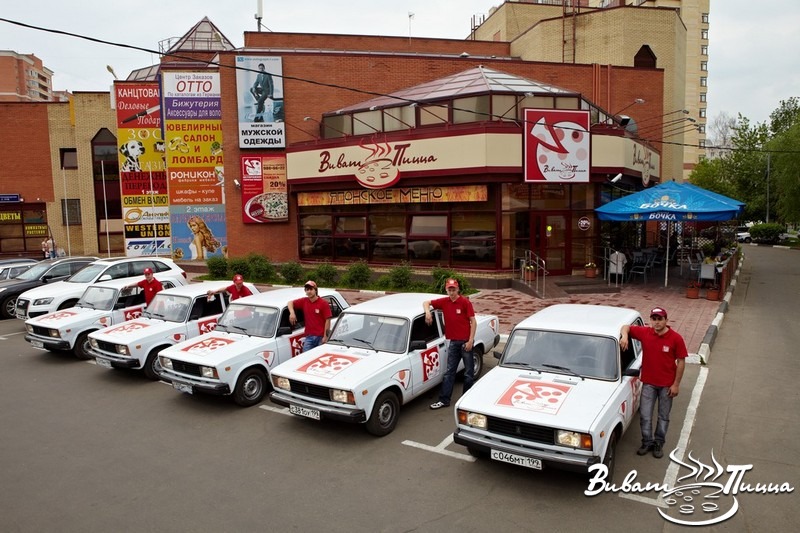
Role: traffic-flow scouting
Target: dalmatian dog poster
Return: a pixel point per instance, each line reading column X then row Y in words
column 556, row 146
column 132, row 151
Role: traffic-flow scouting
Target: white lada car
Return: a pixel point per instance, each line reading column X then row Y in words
column 173, row 316
column 381, row 355
column 252, row 337
column 101, row 305
column 562, row 394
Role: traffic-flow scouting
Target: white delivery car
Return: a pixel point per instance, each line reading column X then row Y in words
column 102, row 305
column 381, row 355
column 65, row 294
column 562, row 394
column 173, row 316
column 252, row 337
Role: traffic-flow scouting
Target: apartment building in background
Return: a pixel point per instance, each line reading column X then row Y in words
column 23, row 78
column 610, row 34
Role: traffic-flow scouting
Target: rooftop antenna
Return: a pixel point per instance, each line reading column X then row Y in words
column 259, row 13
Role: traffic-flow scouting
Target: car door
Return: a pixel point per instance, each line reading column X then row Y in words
column 203, row 315
column 427, row 365
column 631, row 386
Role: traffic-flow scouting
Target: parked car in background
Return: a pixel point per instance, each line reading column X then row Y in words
column 101, row 305
column 392, row 245
column 65, row 294
column 11, row 268
column 743, row 234
column 47, row 272
column 562, row 395
column 173, row 316
column 252, row 337
column 380, row 355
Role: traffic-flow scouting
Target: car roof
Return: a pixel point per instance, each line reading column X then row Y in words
column 113, row 283
column 59, row 260
column 114, row 260
column 405, row 305
column 279, row 297
column 581, row 318
column 17, row 260
column 196, row 288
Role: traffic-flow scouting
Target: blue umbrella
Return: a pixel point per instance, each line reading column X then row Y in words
column 671, row 202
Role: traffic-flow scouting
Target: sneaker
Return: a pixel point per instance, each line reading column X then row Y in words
column 439, row 405
column 657, row 453
column 644, row 449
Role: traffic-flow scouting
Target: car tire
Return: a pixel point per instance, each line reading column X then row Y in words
column 477, row 354
column 610, row 457
column 250, row 387
column 384, row 415
column 152, row 366
column 7, row 308
column 81, row 348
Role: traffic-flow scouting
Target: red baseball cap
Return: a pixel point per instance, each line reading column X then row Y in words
column 237, row 278
column 311, row 284
column 659, row 311
column 451, row 283
column 148, row 270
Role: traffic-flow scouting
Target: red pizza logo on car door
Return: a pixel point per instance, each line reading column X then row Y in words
column 430, row 363
column 205, row 326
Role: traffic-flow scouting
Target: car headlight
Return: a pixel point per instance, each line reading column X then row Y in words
column 28, row 328
column 55, row 333
column 281, row 383
column 208, row 372
column 93, row 343
column 573, row 439
column 43, row 301
column 475, row 420
column 122, row 349
column 342, row 396
column 166, row 362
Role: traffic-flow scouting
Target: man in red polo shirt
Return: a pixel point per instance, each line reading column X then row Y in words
column 459, row 329
column 150, row 285
column 663, row 361
column 316, row 315
column 237, row 290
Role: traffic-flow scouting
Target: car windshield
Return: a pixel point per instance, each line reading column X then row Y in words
column 34, row 272
column 589, row 356
column 87, row 274
column 168, row 307
column 259, row 321
column 98, row 298
column 375, row 332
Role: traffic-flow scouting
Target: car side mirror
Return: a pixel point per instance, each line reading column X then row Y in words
column 284, row 331
column 104, row 277
column 497, row 355
column 417, row 345
column 631, row 372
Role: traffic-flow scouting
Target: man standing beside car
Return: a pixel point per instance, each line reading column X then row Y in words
column 459, row 330
column 316, row 316
column 150, row 285
column 663, row 361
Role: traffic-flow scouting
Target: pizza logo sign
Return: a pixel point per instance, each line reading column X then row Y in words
column 403, row 377
column 133, row 312
column 296, row 343
column 430, row 364
column 207, row 326
column 59, row 315
column 556, row 146
column 127, row 327
column 535, row 396
column 328, row 365
column 207, row 346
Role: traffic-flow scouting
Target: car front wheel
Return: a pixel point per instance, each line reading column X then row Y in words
column 250, row 387
column 384, row 414
column 8, row 307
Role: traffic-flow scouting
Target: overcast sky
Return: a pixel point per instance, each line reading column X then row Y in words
column 753, row 64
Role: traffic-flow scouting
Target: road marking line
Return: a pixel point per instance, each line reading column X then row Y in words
column 3, row 336
column 279, row 410
column 440, row 449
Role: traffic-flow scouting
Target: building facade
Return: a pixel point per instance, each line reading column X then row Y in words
column 23, row 78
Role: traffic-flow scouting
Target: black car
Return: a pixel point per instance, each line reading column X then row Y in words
column 46, row 271
column 11, row 268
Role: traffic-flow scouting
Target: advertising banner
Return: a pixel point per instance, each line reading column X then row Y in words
column 557, row 146
column 264, row 192
column 141, row 163
column 259, row 89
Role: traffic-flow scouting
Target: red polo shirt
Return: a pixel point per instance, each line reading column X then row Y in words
column 150, row 289
column 660, row 353
column 314, row 314
column 237, row 293
column 456, row 317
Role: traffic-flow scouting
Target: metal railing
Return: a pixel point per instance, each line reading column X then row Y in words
column 533, row 271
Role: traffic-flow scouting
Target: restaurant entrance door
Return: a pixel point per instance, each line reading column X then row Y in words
column 549, row 240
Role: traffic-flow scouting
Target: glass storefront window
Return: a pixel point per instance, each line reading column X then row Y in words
column 399, row 118
column 430, row 115
column 582, row 196
column 472, row 109
column 504, row 107
column 428, row 225
column 549, row 196
column 315, row 236
column 474, row 238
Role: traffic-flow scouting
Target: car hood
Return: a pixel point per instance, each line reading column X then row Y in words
column 216, row 347
column 19, row 284
column 336, row 366
column 68, row 317
column 139, row 328
column 57, row 288
column 553, row 400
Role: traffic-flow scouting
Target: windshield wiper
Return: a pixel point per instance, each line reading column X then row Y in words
column 366, row 342
column 151, row 314
column 563, row 369
column 521, row 364
column 337, row 341
column 240, row 328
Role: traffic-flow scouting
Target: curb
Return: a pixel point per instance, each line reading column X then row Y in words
column 704, row 353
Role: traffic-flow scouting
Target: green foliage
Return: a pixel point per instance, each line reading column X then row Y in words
column 325, row 275
column 239, row 265
column 441, row 275
column 400, row 277
column 217, row 267
column 261, row 268
column 358, row 275
column 768, row 233
column 292, row 272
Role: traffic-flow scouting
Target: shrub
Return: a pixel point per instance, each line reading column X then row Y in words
column 261, row 268
column 326, row 275
column 440, row 277
column 768, row 233
column 292, row 272
column 358, row 275
column 217, row 267
column 399, row 277
column 239, row 265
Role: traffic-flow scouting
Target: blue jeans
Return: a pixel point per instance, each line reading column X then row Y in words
column 311, row 341
column 455, row 353
column 650, row 394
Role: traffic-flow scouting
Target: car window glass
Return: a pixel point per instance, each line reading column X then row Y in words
column 58, row 271
column 421, row 331
column 335, row 308
column 117, row 271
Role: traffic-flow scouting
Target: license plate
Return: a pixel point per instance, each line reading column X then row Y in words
column 302, row 411
column 182, row 387
column 518, row 460
column 37, row 344
column 103, row 362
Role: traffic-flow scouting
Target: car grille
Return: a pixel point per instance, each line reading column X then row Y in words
column 186, row 368
column 107, row 347
column 42, row 332
column 22, row 306
column 544, row 435
column 313, row 391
